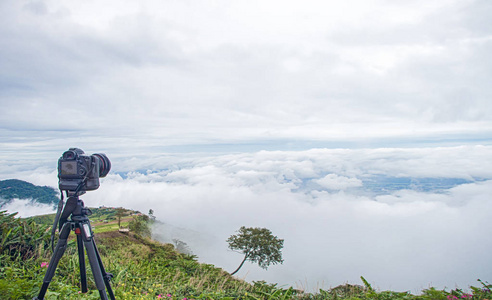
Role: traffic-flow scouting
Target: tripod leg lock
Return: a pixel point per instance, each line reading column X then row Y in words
column 108, row 276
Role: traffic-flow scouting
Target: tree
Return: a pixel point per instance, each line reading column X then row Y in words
column 182, row 247
column 151, row 215
column 140, row 225
column 258, row 245
column 120, row 212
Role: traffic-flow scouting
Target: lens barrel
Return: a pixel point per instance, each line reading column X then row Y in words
column 104, row 164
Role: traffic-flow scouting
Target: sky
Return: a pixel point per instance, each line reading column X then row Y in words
column 219, row 114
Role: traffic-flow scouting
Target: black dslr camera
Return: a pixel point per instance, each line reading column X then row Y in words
column 78, row 172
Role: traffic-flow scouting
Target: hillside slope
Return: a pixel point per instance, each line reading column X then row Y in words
column 17, row 189
column 142, row 268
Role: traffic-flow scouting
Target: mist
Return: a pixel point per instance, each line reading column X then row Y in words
column 405, row 219
column 27, row 208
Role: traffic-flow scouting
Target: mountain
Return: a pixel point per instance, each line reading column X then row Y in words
column 11, row 189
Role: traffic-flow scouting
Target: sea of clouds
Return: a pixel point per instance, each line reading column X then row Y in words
column 343, row 213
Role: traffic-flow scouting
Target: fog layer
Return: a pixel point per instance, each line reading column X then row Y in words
column 403, row 218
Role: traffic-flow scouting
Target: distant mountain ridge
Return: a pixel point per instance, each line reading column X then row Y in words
column 11, row 189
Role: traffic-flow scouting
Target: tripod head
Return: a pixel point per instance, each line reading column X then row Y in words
column 74, row 208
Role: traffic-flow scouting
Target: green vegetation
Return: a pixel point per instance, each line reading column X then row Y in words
column 17, row 189
column 146, row 269
column 140, row 225
column 258, row 245
column 109, row 213
column 103, row 219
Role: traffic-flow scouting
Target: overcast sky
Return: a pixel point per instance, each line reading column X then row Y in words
column 160, row 74
column 183, row 96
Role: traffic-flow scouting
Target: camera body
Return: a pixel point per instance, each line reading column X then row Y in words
column 79, row 172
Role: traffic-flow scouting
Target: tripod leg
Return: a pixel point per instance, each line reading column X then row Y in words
column 91, row 253
column 83, row 274
column 60, row 248
column 106, row 276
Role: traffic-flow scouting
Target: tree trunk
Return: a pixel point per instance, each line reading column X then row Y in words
column 245, row 257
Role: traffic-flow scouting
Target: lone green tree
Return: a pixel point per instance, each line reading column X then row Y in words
column 120, row 212
column 258, row 245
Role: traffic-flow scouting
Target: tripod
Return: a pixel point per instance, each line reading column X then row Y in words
column 79, row 222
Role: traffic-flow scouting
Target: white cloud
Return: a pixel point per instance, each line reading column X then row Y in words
column 335, row 182
column 26, row 208
column 320, row 201
column 185, row 73
column 405, row 239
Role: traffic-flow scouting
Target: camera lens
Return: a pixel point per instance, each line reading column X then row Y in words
column 104, row 164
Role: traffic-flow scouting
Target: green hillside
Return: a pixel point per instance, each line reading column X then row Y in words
column 146, row 269
column 17, row 189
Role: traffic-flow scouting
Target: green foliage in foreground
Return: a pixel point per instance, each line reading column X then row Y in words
column 145, row 269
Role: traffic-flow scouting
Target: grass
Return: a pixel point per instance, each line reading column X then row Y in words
column 110, row 226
